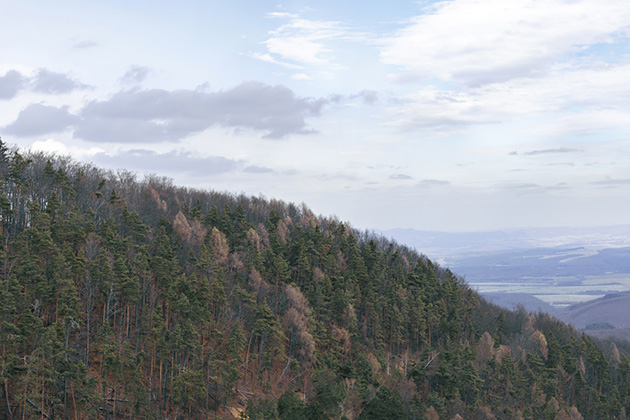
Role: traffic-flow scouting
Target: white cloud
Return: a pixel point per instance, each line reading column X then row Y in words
column 270, row 59
column 56, row 147
column 579, row 96
column 300, row 76
column 303, row 42
column 275, row 15
column 484, row 41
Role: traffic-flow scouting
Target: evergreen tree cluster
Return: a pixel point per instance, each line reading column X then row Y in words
column 122, row 298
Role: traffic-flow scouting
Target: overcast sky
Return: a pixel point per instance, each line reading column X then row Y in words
column 439, row 115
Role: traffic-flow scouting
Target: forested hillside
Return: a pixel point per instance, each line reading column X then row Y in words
column 136, row 299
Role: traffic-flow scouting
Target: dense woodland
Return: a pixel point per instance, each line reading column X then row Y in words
column 136, row 299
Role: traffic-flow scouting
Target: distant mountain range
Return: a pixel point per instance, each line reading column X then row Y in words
column 446, row 245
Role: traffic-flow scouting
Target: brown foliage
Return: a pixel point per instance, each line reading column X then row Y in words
column 531, row 321
column 553, row 404
column 219, row 246
column 264, row 235
column 540, row 340
column 575, row 414
column 485, row 413
column 257, row 283
column 501, row 352
column 431, row 414
column 198, row 231
column 341, row 261
column 374, row 364
column 182, row 227
column 406, row 265
column 615, row 356
column 562, row 415
column 342, row 336
column 297, row 316
column 192, row 232
column 349, row 314
column 161, row 204
column 253, row 238
column 237, row 264
column 282, row 231
column 484, row 348
column 318, row 275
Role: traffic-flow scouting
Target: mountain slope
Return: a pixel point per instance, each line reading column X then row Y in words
column 122, row 298
column 611, row 309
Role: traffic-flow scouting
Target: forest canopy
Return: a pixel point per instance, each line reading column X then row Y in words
column 127, row 298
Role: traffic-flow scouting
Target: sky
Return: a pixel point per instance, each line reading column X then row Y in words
column 459, row 115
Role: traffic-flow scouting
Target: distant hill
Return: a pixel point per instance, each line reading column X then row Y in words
column 613, row 309
column 514, row 300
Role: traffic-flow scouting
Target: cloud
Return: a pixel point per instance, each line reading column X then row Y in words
column 84, row 44
column 478, row 42
column 174, row 161
column 52, row 146
column 400, row 176
column 53, row 83
column 135, row 75
column 44, row 81
column 613, row 182
column 275, row 15
column 303, row 42
column 160, row 115
column 488, row 62
column 590, row 98
column 569, row 164
column 370, row 97
column 39, row 119
column 269, row 59
column 11, row 83
column 546, row 151
column 433, row 183
column 254, row 169
column 300, row 76
column 168, row 116
column 519, row 186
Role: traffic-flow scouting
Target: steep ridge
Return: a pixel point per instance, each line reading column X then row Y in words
column 122, row 298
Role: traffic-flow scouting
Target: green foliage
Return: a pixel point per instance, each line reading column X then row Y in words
column 291, row 407
column 262, row 409
column 384, row 405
